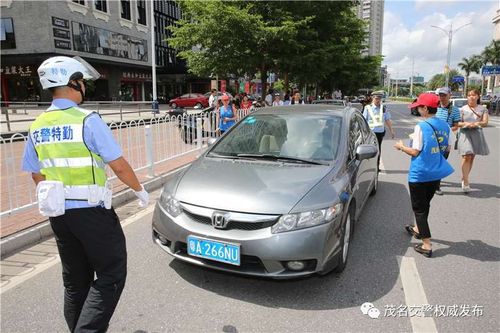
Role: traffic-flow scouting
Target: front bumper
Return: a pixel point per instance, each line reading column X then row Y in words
column 263, row 253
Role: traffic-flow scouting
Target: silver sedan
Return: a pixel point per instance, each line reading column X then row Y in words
column 277, row 196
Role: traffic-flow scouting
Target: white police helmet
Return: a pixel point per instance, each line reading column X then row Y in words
column 58, row 71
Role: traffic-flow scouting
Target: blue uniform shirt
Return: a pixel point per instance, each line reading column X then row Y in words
column 96, row 135
column 376, row 110
column 450, row 117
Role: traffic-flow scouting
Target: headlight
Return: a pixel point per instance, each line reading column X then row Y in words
column 172, row 206
column 308, row 219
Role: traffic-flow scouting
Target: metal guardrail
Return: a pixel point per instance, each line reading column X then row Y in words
column 145, row 143
column 103, row 108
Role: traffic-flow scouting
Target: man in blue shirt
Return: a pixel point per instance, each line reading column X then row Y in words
column 88, row 233
column 449, row 113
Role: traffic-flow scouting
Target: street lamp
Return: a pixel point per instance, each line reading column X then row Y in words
column 449, row 33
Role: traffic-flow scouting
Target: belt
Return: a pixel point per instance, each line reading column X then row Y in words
column 84, row 192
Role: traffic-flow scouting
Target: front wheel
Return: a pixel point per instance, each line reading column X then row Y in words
column 346, row 240
column 173, row 106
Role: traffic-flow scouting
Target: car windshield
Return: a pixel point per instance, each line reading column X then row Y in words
column 289, row 136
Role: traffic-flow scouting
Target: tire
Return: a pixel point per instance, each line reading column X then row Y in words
column 199, row 105
column 173, row 106
column 375, row 186
column 346, row 240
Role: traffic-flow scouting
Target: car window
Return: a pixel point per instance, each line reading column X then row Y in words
column 355, row 136
column 365, row 129
column 185, row 96
column 313, row 137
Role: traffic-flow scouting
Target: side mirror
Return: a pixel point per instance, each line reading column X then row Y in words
column 211, row 141
column 364, row 152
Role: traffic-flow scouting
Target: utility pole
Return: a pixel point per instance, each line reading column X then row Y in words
column 154, row 105
column 449, row 33
column 411, row 79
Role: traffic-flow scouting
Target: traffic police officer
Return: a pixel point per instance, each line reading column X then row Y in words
column 66, row 153
column 376, row 114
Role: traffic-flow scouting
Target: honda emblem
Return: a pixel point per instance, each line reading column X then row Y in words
column 219, row 221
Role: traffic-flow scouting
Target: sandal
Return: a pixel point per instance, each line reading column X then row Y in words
column 412, row 232
column 422, row 251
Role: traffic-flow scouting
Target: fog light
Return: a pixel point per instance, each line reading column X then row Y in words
column 163, row 240
column 295, row 265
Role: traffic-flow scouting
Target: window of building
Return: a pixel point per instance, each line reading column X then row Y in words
column 80, row 2
column 141, row 12
column 125, row 13
column 8, row 40
column 101, row 5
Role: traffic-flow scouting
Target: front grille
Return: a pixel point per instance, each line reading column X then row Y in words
column 232, row 225
column 247, row 263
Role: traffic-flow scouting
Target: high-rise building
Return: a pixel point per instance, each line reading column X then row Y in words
column 372, row 12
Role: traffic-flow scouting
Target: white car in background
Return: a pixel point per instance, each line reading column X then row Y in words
column 458, row 102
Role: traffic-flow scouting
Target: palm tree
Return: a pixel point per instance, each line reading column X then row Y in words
column 491, row 53
column 468, row 65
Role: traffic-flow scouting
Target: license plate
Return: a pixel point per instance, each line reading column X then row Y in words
column 214, row 250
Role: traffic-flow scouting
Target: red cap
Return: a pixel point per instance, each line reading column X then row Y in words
column 426, row 99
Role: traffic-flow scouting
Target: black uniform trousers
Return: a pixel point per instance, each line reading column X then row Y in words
column 90, row 240
column 421, row 195
column 380, row 137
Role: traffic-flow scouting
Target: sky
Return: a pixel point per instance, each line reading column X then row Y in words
column 408, row 34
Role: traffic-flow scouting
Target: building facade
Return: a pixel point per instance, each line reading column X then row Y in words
column 113, row 36
column 372, row 12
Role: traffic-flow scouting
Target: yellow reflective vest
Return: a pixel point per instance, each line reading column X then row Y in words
column 62, row 153
column 375, row 120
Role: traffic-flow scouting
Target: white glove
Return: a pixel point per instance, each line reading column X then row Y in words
column 143, row 197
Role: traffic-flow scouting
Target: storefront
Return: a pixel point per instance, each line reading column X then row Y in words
column 20, row 83
column 135, row 86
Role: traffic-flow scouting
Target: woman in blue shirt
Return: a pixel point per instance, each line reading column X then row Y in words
column 226, row 114
column 428, row 166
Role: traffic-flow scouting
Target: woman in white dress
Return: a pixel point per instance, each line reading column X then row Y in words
column 471, row 141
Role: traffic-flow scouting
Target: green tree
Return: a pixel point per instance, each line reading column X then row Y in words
column 491, row 54
column 307, row 41
column 438, row 80
column 468, row 65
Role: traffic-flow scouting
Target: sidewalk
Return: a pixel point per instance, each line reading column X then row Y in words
column 26, row 228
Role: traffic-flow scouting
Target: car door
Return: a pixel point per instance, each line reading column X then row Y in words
column 183, row 100
column 370, row 165
column 354, row 166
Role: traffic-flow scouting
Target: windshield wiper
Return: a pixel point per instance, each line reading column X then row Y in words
column 221, row 156
column 278, row 158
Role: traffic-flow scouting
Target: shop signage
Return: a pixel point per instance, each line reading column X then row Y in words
column 17, row 70
column 90, row 39
column 134, row 75
column 59, row 22
column 62, row 44
column 60, row 33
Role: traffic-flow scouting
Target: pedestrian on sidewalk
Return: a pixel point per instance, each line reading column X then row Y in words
column 66, row 153
column 428, row 166
column 449, row 113
column 227, row 116
column 471, row 140
column 377, row 116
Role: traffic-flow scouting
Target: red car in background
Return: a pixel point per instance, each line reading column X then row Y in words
column 189, row 101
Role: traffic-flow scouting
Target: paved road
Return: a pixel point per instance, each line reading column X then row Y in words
column 165, row 295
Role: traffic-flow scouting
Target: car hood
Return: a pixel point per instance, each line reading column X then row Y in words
column 247, row 186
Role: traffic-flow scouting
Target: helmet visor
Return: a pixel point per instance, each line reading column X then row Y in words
column 90, row 72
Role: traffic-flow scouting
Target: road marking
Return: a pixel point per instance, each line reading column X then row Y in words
column 415, row 295
column 15, row 281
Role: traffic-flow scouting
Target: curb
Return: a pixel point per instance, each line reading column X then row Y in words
column 43, row 231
